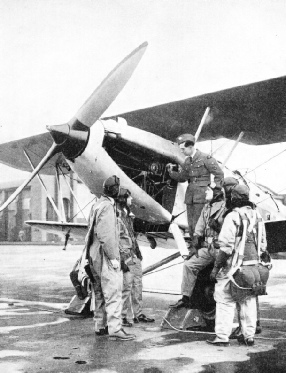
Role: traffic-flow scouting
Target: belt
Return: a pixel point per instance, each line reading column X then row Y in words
column 249, row 262
column 199, row 178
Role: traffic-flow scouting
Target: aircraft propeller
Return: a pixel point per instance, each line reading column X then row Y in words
column 71, row 138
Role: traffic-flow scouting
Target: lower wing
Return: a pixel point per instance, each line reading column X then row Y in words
column 74, row 229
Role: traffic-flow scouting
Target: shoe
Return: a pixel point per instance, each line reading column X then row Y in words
column 218, row 342
column 243, row 341
column 236, row 333
column 184, row 302
column 121, row 335
column 102, row 331
column 249, row 342
column 125, row 322
column 143, row 318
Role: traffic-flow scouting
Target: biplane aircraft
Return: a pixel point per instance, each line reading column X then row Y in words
column 137, row 146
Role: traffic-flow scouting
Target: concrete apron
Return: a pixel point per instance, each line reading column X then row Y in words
column 37, row 336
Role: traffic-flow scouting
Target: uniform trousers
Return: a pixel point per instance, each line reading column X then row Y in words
column 132, row 288
column 193, row 266
column 225, row 310
column 106, row 298
column 193, row 214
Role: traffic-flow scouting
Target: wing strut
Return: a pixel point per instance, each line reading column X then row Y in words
column 203, row 121
column 179, row 239
column 52, row 151
column 43, row 185
column 232, row 149
column 61, row 194
column 74, row 196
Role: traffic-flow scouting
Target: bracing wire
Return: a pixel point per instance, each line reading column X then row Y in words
column 248, row 172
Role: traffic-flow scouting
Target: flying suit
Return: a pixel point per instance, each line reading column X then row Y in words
column 132, row 280
column 207, row 253
column 197, row 172
column 229, row 239
column 107, row 289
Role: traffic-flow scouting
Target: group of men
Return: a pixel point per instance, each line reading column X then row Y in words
column 115, row 262
column 215, row 212
column 219, row 236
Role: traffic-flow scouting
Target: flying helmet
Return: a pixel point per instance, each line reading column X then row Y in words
column 240, row 192
column 111, row 186
column 229, row 183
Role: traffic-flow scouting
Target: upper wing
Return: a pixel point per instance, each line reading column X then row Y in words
column 12, row 153
column 257, row 109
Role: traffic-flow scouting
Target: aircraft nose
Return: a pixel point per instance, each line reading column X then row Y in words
column 60, row 133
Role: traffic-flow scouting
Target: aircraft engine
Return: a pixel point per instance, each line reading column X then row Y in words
column 143, row 157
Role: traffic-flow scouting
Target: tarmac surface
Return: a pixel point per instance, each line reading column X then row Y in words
column 37, row 336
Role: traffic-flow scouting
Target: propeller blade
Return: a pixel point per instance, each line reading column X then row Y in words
column 108, row 90
column 54, row 149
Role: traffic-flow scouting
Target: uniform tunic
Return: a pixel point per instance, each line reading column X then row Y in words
column 107, row 290
column 225, row 306
column 197, row 172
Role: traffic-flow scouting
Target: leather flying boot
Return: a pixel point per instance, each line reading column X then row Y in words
column 184, row 302
column 142, row 318
column 200, row 328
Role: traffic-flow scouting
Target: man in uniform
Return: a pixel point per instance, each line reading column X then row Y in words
column 204, row 243
column 197, row 170
column 227, row 258
column 103, row 246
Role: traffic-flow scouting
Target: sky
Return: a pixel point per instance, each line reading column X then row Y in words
column 54, row 53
